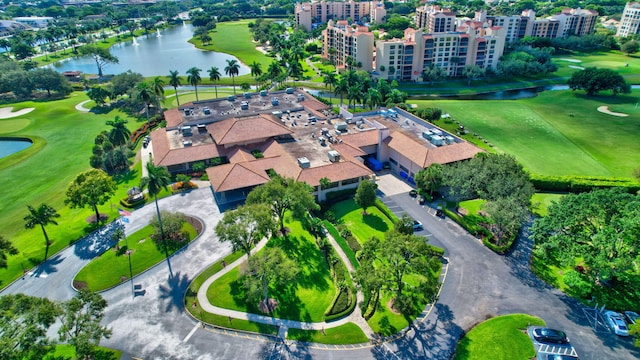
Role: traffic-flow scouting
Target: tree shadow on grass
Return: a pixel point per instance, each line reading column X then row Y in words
column 310, row 260
column 125, row 177
column 375, row 222
column 174, row 292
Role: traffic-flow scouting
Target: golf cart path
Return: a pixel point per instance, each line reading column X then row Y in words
column 80, row 106
column 605, row 110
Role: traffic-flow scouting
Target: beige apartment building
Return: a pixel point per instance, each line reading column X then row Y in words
column 433, row 19
column 472, row 44
column 341, row 41
column 630, row 21
column 320, row 12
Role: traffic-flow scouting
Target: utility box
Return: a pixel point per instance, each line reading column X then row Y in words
column 334, row 156
column 277, row 114
column 275, row 101
column 304, row 163
column 244, row 105
column 427, row 134
column 263, row 92
column 231, row 98
column 289, row 90
column 247, row 95
column 340, row 126
column 186, row 130
column 437, row 140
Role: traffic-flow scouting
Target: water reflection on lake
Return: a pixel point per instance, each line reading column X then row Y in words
column 155, row 54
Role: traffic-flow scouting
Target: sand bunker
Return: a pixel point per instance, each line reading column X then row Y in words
column 571, row 60
column 6, row 112
column 576, row 67
column 605, row 110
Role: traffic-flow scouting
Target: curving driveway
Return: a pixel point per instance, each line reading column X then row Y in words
column 479, row 284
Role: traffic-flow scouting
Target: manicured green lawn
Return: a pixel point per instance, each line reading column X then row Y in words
column 112, row 267
column 363, row 227
column 541, row 201
column 557, row 132
column 500, row 338
column 348, row 333
column 613, row 60
column 64, row 138
column 64, row 351
column 313, row 294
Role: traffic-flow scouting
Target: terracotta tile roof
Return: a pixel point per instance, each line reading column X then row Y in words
column 452, row 153
column 423, row 156
column 406, row 146
column 284, row 165
column 173, row 117
column 163, row 155
column 246, row 130
column 348, row 151
column 235, row 176
column 312, row 103
column 335, row 172
column 361, row 139
column 239, row 154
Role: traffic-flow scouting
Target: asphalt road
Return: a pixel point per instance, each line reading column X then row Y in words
column 479, row 284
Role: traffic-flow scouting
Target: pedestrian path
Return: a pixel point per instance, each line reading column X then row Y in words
column 282, row 324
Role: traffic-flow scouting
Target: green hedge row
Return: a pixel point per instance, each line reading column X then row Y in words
column 345, row 301
column 342, row 242
column 125, row 202
column 579, row 184
column 385, row 210
column 500, row 249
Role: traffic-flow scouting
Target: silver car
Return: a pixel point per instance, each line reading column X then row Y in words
column 616, row 323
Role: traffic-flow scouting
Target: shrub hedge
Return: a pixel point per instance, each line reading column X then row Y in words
column 345, row 301
column 125, row 202
column 579, row 184
column 385, row 210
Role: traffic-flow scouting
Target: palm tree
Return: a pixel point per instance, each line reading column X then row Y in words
column 158, row 88
column 232, row 69
column 341, row 88
column 193, row 77
column 174, row 80
column 274, row 70
column 43, row 216
column 157, row 179
column 119, row 134
column 373, row 97
column 145, row 94
column 329, row 79
column 256, row 70
column 214, row 75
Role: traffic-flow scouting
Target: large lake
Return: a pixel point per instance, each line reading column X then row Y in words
column 155, row 54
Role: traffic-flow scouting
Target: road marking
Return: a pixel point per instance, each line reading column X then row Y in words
column 193, row 331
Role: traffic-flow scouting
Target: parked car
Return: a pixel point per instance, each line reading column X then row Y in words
column 439, row 212
column 616, row 323
column 559, row 357
column 417, row 226
column 631, row 316
column 546, row 335
column 413, row 193
column 422, row 200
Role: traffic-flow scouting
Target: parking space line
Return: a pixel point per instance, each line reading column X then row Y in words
column 191, row 332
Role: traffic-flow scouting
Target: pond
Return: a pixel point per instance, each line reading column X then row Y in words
column 155, row 55
column 10, row 146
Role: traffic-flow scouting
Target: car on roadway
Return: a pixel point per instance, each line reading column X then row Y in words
column 547, row 335
column 542, row 356
column 631, row 316
column 616, row 323
column 417, row 225
column 413, row 193
column 422, row 200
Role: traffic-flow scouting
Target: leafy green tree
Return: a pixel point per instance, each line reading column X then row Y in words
column 50, row 80
column 81, row 323
column 24, row 325
column 630, row 47
column 245, row 226
column 91, row 188
column 404, row 225
column 593, row 80
column 269, row 269
column 282, row 194
column 366, row 195
column 634, row 330
column 98, row 94
column 122, row 83
column 506, row 215
column 600, row 227
column 232, row 69
column 157, row 179
column 174, row 80
column 100, row 55
column 193, row 77
column 43, row 216
column 6, row 248
column 430, row 178
column 433, row 74
column 472, row 72
column 171, row 232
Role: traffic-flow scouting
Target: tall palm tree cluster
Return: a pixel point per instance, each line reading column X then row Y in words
column 360, row 89
column 109, row 152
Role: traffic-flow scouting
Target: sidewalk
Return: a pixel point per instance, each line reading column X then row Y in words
column 355, row 316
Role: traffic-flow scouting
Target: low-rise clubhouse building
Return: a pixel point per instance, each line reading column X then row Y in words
column 243, row 140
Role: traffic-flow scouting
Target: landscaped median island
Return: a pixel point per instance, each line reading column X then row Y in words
column 503, row 337
column 318, row 304
column 142, row 248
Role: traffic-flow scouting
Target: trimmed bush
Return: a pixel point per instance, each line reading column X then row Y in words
column 125, row 202
column 577, row 184
column 385, row 210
